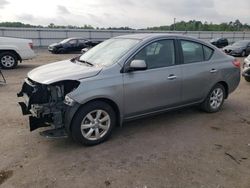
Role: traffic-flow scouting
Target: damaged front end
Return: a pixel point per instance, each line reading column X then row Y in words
column 45, row 104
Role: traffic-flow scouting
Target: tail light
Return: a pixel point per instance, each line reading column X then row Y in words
column 236, row 63
column 31, row 45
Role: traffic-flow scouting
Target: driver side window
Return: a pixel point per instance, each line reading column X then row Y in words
column 158, row 54
column 73, row 42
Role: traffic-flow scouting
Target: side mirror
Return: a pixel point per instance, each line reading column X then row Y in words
column 137, row 65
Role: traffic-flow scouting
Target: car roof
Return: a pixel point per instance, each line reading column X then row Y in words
column 76, row 38
column 143, row 36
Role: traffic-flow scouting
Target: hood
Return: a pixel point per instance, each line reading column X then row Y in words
column 231, row 47
column 62, row 70
column 54, row 44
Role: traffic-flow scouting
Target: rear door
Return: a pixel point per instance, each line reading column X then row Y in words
column 157, row 87
column 72, row 45
column 198, row 72
column 82, row 44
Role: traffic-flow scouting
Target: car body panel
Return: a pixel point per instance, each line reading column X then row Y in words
column 20, row 46
column 63, row 47
column 219, row 42
column 246, row 67
column 237, row 50
column 62, row 70
column 146, row 91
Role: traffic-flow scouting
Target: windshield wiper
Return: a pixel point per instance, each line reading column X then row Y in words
column 81, row 61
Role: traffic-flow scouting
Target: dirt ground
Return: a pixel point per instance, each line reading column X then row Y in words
column 181, row 149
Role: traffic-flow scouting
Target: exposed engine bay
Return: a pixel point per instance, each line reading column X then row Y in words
column 45, row 104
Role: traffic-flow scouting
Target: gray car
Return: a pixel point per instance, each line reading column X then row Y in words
column 125, row 78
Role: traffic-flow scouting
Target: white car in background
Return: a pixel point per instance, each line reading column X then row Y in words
column 246, row 68
column 14, row 50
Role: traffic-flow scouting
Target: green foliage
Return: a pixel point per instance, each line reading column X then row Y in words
column 51, row 25
column 194, row 25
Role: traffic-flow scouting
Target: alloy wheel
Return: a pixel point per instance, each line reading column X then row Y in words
column 7, row 61
column 216, row 98
column 95, row 124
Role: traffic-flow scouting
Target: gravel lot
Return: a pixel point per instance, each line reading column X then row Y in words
column 181, row 149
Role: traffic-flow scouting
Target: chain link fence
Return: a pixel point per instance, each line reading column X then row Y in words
column 43, row 37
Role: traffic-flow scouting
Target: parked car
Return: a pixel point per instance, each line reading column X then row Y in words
column 125, row 78
column 246, row 68
column 71, row 45
column 14, row 50
column 219, row 42
column 240, row 48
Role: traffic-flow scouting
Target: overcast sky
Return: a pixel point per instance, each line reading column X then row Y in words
column 117, row 13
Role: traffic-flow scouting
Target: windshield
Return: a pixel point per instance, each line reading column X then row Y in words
column 214, row 40
column 64, row 41
column 240, row 43
column 108, row 52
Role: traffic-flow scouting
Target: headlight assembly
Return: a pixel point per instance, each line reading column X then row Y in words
column 68, row 101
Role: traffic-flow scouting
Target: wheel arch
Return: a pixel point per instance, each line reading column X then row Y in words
column 107, row 100
column 225, row 85
column 14, row 52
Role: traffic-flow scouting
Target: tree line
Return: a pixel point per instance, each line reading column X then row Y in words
column 191, row 25
column 194, row 25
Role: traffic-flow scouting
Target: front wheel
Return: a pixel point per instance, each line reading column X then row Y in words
column 93, row 123
column 215, row 99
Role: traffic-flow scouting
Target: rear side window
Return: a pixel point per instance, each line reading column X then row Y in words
column 195, row 52
column 208, row 52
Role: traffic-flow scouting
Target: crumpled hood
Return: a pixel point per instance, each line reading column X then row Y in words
column 62, row 70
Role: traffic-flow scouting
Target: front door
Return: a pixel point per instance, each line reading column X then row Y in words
column 157, row 87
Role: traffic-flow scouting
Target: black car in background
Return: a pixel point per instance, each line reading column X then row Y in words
column 239, row 48
column 71, row 45
column 219, row 42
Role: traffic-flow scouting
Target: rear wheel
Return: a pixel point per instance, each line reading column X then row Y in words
column 8, row 60
column 93, row 123
column 215, row 99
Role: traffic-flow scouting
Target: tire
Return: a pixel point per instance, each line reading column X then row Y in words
column 87, row 128
column 8, row 60
column 247, row 79
column 243, row 53
column 215, row 99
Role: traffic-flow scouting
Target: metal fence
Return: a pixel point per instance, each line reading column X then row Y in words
column 44, row 36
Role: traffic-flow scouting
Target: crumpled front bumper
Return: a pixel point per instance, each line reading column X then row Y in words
column 36, row 104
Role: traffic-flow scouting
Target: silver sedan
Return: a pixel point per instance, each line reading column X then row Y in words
column 125, row 78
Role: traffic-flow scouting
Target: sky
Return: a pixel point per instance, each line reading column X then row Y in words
column 120, row 13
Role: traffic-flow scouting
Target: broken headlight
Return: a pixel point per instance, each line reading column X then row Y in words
column 68, row 101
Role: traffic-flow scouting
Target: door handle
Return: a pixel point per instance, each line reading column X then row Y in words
column 213, row 70
column 172, row 77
